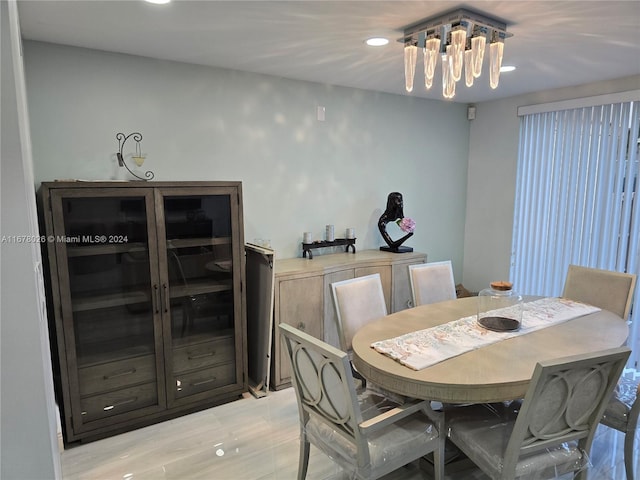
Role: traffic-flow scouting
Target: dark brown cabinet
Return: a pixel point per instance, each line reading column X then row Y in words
column 146, row 300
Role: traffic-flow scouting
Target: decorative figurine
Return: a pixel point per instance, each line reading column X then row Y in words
column 395, row 213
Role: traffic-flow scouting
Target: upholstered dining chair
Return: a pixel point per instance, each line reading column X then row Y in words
column 622, row 414
column 366, row 435
column 552, row 429
column 432, row 282
column 357, row 301
column 604, row 289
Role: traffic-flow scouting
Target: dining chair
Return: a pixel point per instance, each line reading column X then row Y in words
column 622, row 414
column 432, row 282
column 366, row 435
column 604, row 289
column 551, row 430
column 357, row 301
column 611, row 291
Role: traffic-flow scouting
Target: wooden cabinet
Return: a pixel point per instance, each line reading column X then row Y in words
column 146, row 301
column 297, row 302
column 303, row 294
column 401, row 285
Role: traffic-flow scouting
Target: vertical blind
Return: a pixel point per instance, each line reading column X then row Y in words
column 576, row 197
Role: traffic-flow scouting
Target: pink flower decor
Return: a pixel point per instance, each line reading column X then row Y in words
column 406, row 224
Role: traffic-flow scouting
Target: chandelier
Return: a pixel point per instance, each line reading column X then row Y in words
column 459, row 38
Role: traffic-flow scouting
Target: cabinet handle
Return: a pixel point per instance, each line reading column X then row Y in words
column 301, row 326
column 166, row 297
column 156, row 294
column 119, row 374
column 201, row 355
column 119, row 404
column 203, row 382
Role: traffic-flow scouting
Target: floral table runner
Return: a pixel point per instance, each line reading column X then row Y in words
column 421, row 349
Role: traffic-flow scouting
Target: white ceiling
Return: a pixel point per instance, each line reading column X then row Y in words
column 555, row 43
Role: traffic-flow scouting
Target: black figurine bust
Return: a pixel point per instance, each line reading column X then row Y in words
column 393, row 213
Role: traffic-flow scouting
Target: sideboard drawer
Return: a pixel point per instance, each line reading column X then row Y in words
column 107, row 376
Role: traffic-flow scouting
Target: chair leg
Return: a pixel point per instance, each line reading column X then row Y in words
column 628, row 453
column 438, row 460
column 303, row 462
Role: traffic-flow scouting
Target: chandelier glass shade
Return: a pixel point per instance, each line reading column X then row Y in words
column 456, row 54
column 478, row 44
column 431, row 54
column 459, row 38
column 410, row 58
column 496, row 50
column 448, row 83
column 468, row 68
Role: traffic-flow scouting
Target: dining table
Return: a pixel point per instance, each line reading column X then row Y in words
column 497, row 372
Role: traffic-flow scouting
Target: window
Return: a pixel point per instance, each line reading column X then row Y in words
column 576, row 197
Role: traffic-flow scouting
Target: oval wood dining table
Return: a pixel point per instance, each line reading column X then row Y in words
column 497, row 372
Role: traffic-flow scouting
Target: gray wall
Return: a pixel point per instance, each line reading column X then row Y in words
column 493, row 154
column 298, row 173
column 27, row 420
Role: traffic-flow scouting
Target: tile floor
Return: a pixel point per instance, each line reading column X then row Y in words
column 249, row 439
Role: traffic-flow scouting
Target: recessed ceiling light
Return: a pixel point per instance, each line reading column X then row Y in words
column 377, row 41
column 158, row 2
column 507, row 68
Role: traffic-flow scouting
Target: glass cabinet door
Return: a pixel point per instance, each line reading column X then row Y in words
column 110, row 303
column 200, row 308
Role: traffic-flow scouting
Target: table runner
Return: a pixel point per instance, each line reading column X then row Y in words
column 423, row 348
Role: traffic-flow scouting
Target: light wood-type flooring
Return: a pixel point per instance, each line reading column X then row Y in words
column 251, row 439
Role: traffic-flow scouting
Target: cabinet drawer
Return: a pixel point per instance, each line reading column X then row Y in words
column 118, row 374
column 203, row 380
column 120, row 401
column 201, row 355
